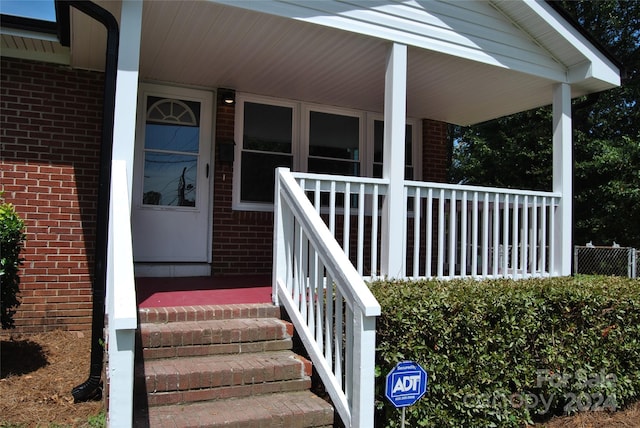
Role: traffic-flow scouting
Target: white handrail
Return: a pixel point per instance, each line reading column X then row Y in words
column 121, row 304
column 480, row 189
column 331, row 307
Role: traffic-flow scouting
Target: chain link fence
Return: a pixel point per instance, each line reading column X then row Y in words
column 615, row 261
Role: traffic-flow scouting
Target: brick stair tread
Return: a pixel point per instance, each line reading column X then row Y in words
column 223, row 370
column 208, row 312
column 216, row 349
column 300, row 409
column 187, row 333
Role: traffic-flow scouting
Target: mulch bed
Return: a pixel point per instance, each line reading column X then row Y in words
column 37, row 374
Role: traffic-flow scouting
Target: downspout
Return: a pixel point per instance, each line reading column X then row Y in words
column 91, row 389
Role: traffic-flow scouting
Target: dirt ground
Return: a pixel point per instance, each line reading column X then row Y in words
column 37, row 374
column 627, row 418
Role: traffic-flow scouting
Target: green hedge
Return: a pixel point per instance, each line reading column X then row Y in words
column 506, row 353
column 11, row 241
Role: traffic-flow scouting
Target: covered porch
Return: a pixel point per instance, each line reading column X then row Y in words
column 412, row 61
column 458, row 62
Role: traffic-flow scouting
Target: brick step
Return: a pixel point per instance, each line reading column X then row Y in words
column 232, row 366
column 230, row 336
column 180, row 380
column 208, row 312
column 301, row 409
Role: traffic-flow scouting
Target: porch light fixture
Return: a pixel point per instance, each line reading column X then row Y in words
column 227, row 96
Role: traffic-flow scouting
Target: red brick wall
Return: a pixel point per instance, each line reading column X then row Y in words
column 50, row 120
column 242, row 240
column 435, row 151
column 435, row 168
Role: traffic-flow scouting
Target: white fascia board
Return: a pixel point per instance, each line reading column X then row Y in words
column 16, row 43
column 596, row 66
column 28, row 34
column 62, row 58
column 354, row 23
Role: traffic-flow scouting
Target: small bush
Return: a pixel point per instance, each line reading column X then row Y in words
column 11, row 240
column 505, row 353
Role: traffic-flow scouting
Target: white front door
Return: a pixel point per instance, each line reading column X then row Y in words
column 171, row 202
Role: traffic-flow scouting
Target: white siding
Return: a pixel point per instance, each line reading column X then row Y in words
column 476, row 31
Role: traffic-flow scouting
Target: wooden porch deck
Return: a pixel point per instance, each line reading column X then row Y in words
column 209, row 290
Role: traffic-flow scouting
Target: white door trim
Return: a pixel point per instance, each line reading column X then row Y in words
column 202, row 266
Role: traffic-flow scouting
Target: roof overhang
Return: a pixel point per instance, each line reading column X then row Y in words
column 468, row 61
column 32, row 39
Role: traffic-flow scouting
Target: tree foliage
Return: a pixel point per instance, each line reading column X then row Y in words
column 516, row 151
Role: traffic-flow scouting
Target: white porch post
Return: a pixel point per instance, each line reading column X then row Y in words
column 124, row 126
column 395, row 100
column 121, row 337
column 562, row 178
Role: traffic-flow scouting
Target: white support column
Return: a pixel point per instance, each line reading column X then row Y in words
column 124, row 126
column 395, row 100
column 121, row 342
column 562, row 179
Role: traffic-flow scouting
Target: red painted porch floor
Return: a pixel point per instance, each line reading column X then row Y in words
column 203, row 290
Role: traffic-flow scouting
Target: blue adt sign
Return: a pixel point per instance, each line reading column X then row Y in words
column 406, row 384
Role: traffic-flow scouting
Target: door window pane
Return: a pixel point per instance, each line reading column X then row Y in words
column 171, row 146
column 170, row 179
column 179, row 138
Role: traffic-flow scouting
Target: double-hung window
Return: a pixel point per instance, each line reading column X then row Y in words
column 305, row 137
column 334, row 142
column 267, row 131
column 410, row 149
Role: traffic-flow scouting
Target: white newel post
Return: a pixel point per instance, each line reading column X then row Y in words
column 124, row 128
column 364, row 361
column 395, row 100
column 562, row 178
column 282, row 229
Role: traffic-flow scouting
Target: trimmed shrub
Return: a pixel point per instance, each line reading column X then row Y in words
column 506, row 353
column 11, row 240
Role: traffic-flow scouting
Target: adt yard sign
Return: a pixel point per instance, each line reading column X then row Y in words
column 406, row 384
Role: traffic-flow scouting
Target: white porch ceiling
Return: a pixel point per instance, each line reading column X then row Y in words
column 209, row 45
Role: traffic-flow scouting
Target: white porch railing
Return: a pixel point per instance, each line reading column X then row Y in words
column 359, row 232
column 459, row 231
column 450, row 230
column 121, row 308
column 330, row 305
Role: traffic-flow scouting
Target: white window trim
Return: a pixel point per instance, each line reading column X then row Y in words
column 304, row 133
column 300, row 140
column 416, row 138
column 241, row 98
